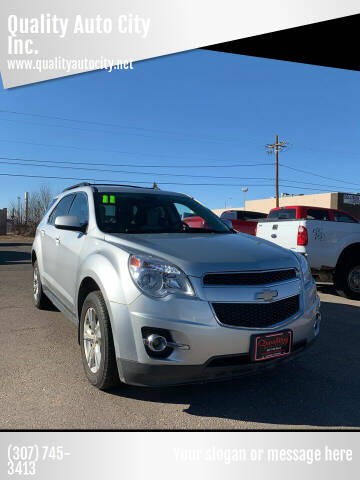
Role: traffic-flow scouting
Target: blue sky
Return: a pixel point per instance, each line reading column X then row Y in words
column 184, row 112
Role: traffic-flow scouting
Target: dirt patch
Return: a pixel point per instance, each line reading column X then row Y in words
column 16, row 238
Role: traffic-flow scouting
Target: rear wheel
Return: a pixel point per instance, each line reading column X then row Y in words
column 96, row 343
column 40, row 299
column 347, row 277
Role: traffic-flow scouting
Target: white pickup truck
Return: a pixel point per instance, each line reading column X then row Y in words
column 330, row 240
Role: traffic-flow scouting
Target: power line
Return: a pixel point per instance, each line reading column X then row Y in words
column 157, row 155
column 143, row 165
column 71, row 127
column 328, row 150
column 104, row 124
column 115, row 125
column 61, row 166
column 179, row 135
column 272, row 147
column 134, row 172
column 166, row 156
column 236, row 165
column 318, row 175
column 158, row 183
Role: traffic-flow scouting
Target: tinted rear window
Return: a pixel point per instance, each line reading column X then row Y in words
column 283, row 214
column 230, row 215
column 342, row 217
column 244, row 215
column 315, row 214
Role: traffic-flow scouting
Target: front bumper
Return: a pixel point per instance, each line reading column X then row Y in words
column 216, row 352
column 150, row 375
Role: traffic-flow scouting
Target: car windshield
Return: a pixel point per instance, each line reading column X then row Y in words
column 123, row 212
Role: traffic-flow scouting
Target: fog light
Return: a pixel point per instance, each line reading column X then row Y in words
column 156, row 343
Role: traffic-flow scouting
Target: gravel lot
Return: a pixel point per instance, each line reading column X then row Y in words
column 43, row 386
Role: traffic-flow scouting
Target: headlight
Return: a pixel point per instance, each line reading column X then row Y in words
column 158, row 278
column 305, row 268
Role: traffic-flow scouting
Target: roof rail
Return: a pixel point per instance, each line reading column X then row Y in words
column 94, row 185
column 83, row 184
column 118, row 185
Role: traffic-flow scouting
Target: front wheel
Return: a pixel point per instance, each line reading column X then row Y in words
column 347, row 278
column 96, row 343
column 41, row 301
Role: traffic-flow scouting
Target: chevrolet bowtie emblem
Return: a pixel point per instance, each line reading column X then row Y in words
column 266, row 295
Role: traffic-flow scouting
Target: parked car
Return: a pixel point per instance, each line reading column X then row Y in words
column 243, row 220
column 311, row 213
column 158, row 302
column 330, row 240
column 195, row 221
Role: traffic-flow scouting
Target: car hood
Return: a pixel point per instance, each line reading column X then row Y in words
column 197, row 254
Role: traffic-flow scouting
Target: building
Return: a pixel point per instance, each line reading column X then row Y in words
column 348, row 202
column 3, row 221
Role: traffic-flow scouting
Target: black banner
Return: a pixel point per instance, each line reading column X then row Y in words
column 333, row 43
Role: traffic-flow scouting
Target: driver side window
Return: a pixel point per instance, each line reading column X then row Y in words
column 61, row 208
column 80, row 208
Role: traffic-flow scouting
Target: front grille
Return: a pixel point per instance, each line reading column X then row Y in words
column 256, row 315
column 249, row 278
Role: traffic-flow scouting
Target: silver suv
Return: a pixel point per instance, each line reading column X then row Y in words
column 159, row 302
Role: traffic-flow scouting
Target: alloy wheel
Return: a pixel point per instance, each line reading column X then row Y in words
column 354, row 279
column 36, row 285
column 92, row 340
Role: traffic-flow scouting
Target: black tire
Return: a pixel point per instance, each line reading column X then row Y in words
column 106, row 376
column 41, row 301
column 343, row 285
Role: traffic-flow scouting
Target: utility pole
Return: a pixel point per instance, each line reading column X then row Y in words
column 19, row 210
column 26, row 197
column 244, row 189
column 276, row 147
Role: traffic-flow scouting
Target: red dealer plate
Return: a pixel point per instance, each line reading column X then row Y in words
column 271, row 345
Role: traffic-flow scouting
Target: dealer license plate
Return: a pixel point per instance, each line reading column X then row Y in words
column 271, row 345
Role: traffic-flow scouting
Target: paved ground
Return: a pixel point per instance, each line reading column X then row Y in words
column 42, row 384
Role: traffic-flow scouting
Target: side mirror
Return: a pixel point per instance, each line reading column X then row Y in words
column 69, row 222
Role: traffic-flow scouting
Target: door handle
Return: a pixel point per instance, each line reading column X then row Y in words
column 57, row 240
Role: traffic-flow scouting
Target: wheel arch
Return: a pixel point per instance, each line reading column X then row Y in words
column 98, row 273
column 103, row 270
column 89, row 284
column 350, row 250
